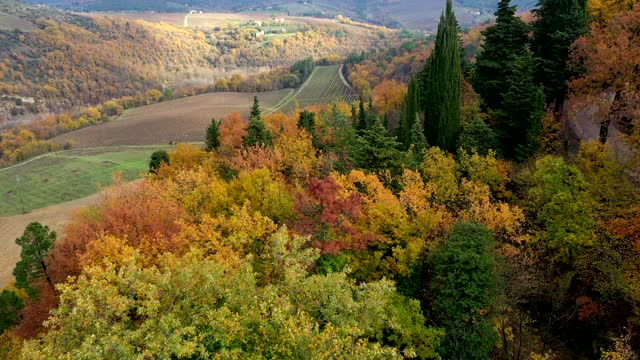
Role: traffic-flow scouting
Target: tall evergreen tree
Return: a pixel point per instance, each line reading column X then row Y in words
column 559, row 23
column 212, row 140
column 410, row 107
column 442, row 98
column 465, row 287
column 518, row 121
column 504, row 42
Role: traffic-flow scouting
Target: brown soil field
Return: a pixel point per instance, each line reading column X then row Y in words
column 183, row 120
column 12, row 227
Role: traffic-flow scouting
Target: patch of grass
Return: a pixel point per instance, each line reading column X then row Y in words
column 67, row 176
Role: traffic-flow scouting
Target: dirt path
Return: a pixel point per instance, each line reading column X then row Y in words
column 13, row 226
column 345, row 80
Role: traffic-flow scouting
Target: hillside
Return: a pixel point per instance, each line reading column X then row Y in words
column 72, row 60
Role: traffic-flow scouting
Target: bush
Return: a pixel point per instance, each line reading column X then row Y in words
column 157, row 158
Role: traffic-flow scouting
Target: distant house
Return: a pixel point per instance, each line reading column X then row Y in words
column 260, row 33
column 281, row 20
column 283, row 30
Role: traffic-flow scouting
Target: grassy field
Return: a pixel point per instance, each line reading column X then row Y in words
column 66, row 176
column 10, row 22
column 183, row 120
column 324, row 86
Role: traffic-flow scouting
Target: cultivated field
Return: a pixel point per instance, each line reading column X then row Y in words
column 183, row 120
column 324, row 86
column 68, row 175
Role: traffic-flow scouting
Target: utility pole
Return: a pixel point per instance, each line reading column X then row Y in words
column 18, row 180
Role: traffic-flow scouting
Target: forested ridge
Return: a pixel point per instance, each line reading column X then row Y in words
column 72, row 60
column 442, row 216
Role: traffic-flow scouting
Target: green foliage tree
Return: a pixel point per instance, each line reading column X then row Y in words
column 375, row 150
column 519, row 118
column 361, row 125
column 212, row 140
column 559, row 23
column 157, row 158
column 307, row 121
column 10, row 303
column 158, row 312
column 564, row 208
column 36, row 241
column 504, row 43
column 477, row 136
column 443, row 96
column 465, row 287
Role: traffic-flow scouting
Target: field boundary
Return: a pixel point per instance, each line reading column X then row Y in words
column 64, row 152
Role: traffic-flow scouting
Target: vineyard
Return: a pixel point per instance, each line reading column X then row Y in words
column 324, row 86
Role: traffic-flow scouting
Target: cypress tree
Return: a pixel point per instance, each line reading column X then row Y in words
column 442, row 98
column 559, row 23
column 212, row 140
column 504, row 42
column 410, row 107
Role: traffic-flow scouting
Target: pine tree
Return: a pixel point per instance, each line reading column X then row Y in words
column 504, row 42
column 212, row 141
column 442, row 98
column 36, row 241
column 257, row 132
column 255, row 109
column 375, row 150
column 520, row 116
column 416, row 136
column 559, row 23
